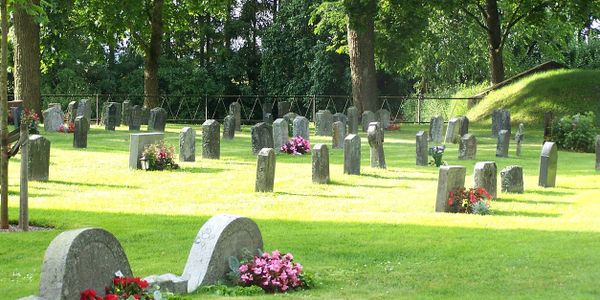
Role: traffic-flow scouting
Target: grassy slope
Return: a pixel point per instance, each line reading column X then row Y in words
column 369, row 236
column 562, row 91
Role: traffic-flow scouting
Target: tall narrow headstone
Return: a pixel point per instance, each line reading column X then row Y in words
column 84, row 108
column 339, row 133
column 320, row 164
column 126, row 112
column 352, row 120
column 53, row 119
column 436, row 127
column 289, row 118
column 500, row 121
column 283, row 107
column 137, row 143
column 158, row 119
column 72, row 111
column 110, row 116
column 548, row 118
column 39, row 158
column 422, row 149
column 375, row 137
column 187, row 144
column 135, row 118
column 452, row 131
column 383, row 117
column 367, row 118
column 81, row 132
column 211, row 143
column 450, row 178
column 548, row 163
column 496, row 122
column 352, row 154
column 324, row 122
column 511, row 179
column 280, row 133
column 145, row 115
column 598, row 153
column 235, row 109
column 16, row 112
column 340, row 117
column 301, row 127
column 265, row 170
column 229, row 127
column 268, row 118
column 262, row 137
column 463, row 126
column 519, row 138
column 503, row 143
column 468, row 147
column 485, row 176
column 119, row 114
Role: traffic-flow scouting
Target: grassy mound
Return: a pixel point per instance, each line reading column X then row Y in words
column 561, row 91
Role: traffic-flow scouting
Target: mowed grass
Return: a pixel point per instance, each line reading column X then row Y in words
column 373, row 236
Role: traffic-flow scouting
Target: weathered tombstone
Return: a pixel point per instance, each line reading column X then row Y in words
column 500, row 121
column 187, row 144
column 320, row 164
column 103, row 112
column 339, row 133
column 229, row 127
column 81, row 132
column 265, row 170
column 352, row 120
column 84, row 108
column 268, row 118
column 548, row 163
column 81, row 259
column 235, row 109
column 145, row 115
column 221, row 237
column 119, row 114
column 519, row 138
column 262, row 137
column 126, row 112
column 450, row 178
column 485, row 176
column 283, row 107
column 383, row 117
column 367, row 118
column 55, row 104
column 375, row 137
column 468, row 147
column 110, row 116
column 324, row 122
column 548, row 118
column 53, row 119
column 352, row 154
column 598, row 153
column 301, row 127
column 137, row 143
column 267, row 108
column 289, row 118
column 135, row 118
column 422, row 148
column 503, row 143
column 72, row 111
column 211, row 143
column 495, row 122
column 340, row 117
column 436, row 126
column 280, row 133
column 463, row 127
column 39, row 157
column 158, row 119
column 452, row 131
column 16, row 112
column 511, row 179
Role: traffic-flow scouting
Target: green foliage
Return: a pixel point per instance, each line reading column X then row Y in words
column 225, row 290
column 575, row 133
column 480, row 208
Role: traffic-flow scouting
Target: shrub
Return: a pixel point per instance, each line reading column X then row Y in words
column 272, row 272
column 159, row 156
column 472, row 201
column 575, row 133
column 297, row 146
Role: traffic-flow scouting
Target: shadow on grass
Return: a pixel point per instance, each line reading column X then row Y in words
column 199, row 170
column 417, row 178
column 550, row 193
column 532, row 201
column 362, row 185
column 377, row 176
column 315, row 195
column 94, row 184
column 31, row 195
column 516, row 213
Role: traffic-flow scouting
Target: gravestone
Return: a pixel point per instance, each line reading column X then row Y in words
column 267, row 108
column 503, row 143
column 16, row 112
column 289, row 117
column 463, row 127
column 468, row 147
column 324, row 123
column 81, row 132
column 229, row 127
column 72, row 111
column 55, row 104
column 450, row 178
column 157, row 120
column 283, row 107
column 598, row 153
column 548, row 163
column 511, row 179
column 103, row 112
column 352, row 120
column 548, row 119
column 452, row 132
column 375, row 137
column 340, row 117
column 367, row 118
column 39, row 158
column 339, row 133
column 519, row 138
column 235, row 109
column 81, row 259
column 280, row 133
column 352, row 154
column 84, row 108
column 53, row 119
column 187, row 144
column 221, row 237
column 268, row 118
column 135, row 118
column 485, row 176
column 500, row 121
column 145, row 115
column 119, row 114
column 383, row 117
column 422, row 149
column 320, row 164
column 126, row 112
column 211, row 143
column 265, row 170
column 301, row 127
column 436, row 126
column 137, row 142
column 110, row 116
column 262, row 137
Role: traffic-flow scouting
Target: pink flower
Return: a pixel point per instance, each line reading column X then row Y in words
column 243, row 268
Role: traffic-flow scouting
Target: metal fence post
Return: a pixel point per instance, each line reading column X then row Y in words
column 419, row 99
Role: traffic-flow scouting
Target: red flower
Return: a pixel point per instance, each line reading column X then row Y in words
column 136, row 296
column 450, row 199
column 89, row 295
column 111, row 297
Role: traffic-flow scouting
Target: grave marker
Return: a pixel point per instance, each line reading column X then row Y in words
column 548, row 163
column 301, row 127
column 367, row 118
column 211, row 143
column 158, row 119
column 436, row 125
column 450, row 178
column 137, row 142
column 39, row 158
column 352, row 120
column 265, row 170
column 485, row 176
column 511, row 179
column 324, row 123
column 503, row 143
column 468, row 147
column 339, row 133
column 187, row 144
column 280, row 133
column 352, row 154
column 229, row 127
column 81, row 132
column 235, row 109
column 375, row 138
column 262, row 137
column 422, row 149
column 320, row 164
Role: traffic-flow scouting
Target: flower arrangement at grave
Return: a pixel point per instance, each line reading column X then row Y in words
column 70, row 128
column 436, row 153
column 159, row 156
column 471, row 201
column 30, row 119
column 127, row 288
column 296, row 146
column 393, row 126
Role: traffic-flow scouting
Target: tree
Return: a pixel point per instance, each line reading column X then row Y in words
column 3, row 116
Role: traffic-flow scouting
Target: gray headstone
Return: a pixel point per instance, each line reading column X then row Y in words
column 463, row 126
column 289, row 118
column 187, row 144
column 110, row 116
column 267, row 108
column 339, row 133
column 376, row 137
column 352, row 154
column 283, row 107
column 235, row 109
column 301, row 127
column 598, row 153
column 229, row 127
column 340, row 117
column 383, row 117
column 450, row 178
column 119, row 115
column 268, row 118
column 81, row 259
column 169, row 282
column 103, row 112
column 548, row 163
column 72, row 111
column 352, row 120
column 519, row 137
column 135, row 118
column 503, row 143
column 137, row 143
column 39, row 158
column 16, row 114
column 262, row 137
column 452, row 131
column 265, row 170
column 436, row 126
column 84, row 108
column 485, row 176
column 221, row 237
column 422, row 149
column 54, row 104
column 81, row 132
column 500, row 121
column 145, row 115
column 126, row 112
column 320, row 164
column 211, row 143
column 367, row 118
column 324, row 123
column 53, row 119
column 468, row 147
column 511, row 179
column 280, row 133
column 157, row 120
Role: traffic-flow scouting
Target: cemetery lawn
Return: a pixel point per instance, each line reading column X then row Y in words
column 369, row 236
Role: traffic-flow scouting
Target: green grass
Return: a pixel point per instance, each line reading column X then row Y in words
column 561, row 91
column 372, row 236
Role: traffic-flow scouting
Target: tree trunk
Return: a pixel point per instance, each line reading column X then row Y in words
column 3, row 118
column 27, row 57
column 494, row 41
column 24, row 192
column 152, row 56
